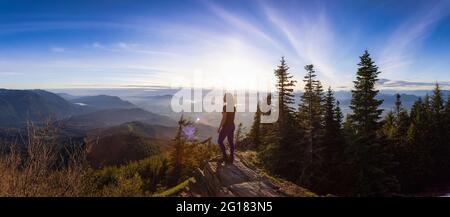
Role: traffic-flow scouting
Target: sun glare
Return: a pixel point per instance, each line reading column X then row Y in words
column 236, row 68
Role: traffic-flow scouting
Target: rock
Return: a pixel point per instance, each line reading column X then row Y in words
column 232, row 180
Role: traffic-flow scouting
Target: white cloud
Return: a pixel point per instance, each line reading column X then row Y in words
column 9, row 73
column 124, row 45
column 57, row 49
column 311, row 38
column 401, row 84
column 407, row 38
column 129, row 47
column 96, row 45
column 241, row 23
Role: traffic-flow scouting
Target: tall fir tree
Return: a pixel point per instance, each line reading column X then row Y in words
column 365, row 106
column 255, row 130
column 440, row 149
column 372, row 164
column 309, row 119
column 395, row 128
column 239, row 135
column 310, row 112
column 447, row 123
column 418, row 144
column 285, row 86
column 332, row 143
column 178, row 152
column 447, row 118
column 278, row 142
column 338, row 113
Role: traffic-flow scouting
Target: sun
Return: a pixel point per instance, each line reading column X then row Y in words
column 238, row 71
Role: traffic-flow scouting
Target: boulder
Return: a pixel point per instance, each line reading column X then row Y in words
column 239, row 179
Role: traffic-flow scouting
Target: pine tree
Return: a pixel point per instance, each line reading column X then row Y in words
column 332, row 116
column 177, row 154
column 447, row 124
column 396, row 123
column 437, row 102
column 363, row 104
column 395, row 128
column 338, row 113
column 440, row 149
column 332, row 142
column 388, row 125
column 239, row 134
column 310, row 121
column 255, row 131
column 277, row 152
column 371, row 162
column 418, row 144
column 447, row 118
column 310, row 113
column 447, row 110
column 285, row 85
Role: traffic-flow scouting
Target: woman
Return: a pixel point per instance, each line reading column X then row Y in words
column 226, row 128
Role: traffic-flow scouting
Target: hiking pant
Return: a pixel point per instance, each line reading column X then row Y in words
column 226, row 131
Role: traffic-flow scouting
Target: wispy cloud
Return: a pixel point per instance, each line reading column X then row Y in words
column 9, row 73
column 96, row 45
column 407, row 38
column 36, row 26
column 57, row 49
column 128, row 47
column 311, row 38
column 124, row 45
column 399, row 84
column 241, row 23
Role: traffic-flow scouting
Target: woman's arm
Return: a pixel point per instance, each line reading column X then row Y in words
column 224, row 117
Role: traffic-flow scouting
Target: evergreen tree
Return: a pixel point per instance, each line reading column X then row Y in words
column 278, row 152
column 440, row 148
column 447, row 118
column 239, row 136
column 396, row 123
column 363, row 104
column 255, row 131
column 437, row 102
column 332, row 142
column 447, row 110
column 338, row 113
column 418, row 144
column 332, row 118
column 285, row 85
column 178, row 152
column 371, row 162
column 447, row 124
column 310, row 121
column 395, row 128
column 310, row 112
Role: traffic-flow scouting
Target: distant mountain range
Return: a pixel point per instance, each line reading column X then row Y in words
column 101, row 102
column 111, row 117
column 114, row 130
column 19, row 106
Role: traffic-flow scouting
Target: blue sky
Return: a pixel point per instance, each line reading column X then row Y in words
column 77, row 44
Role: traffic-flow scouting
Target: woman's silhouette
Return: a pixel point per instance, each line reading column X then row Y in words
column 226, row 128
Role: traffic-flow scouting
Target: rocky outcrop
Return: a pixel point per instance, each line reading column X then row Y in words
column 240, row 179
